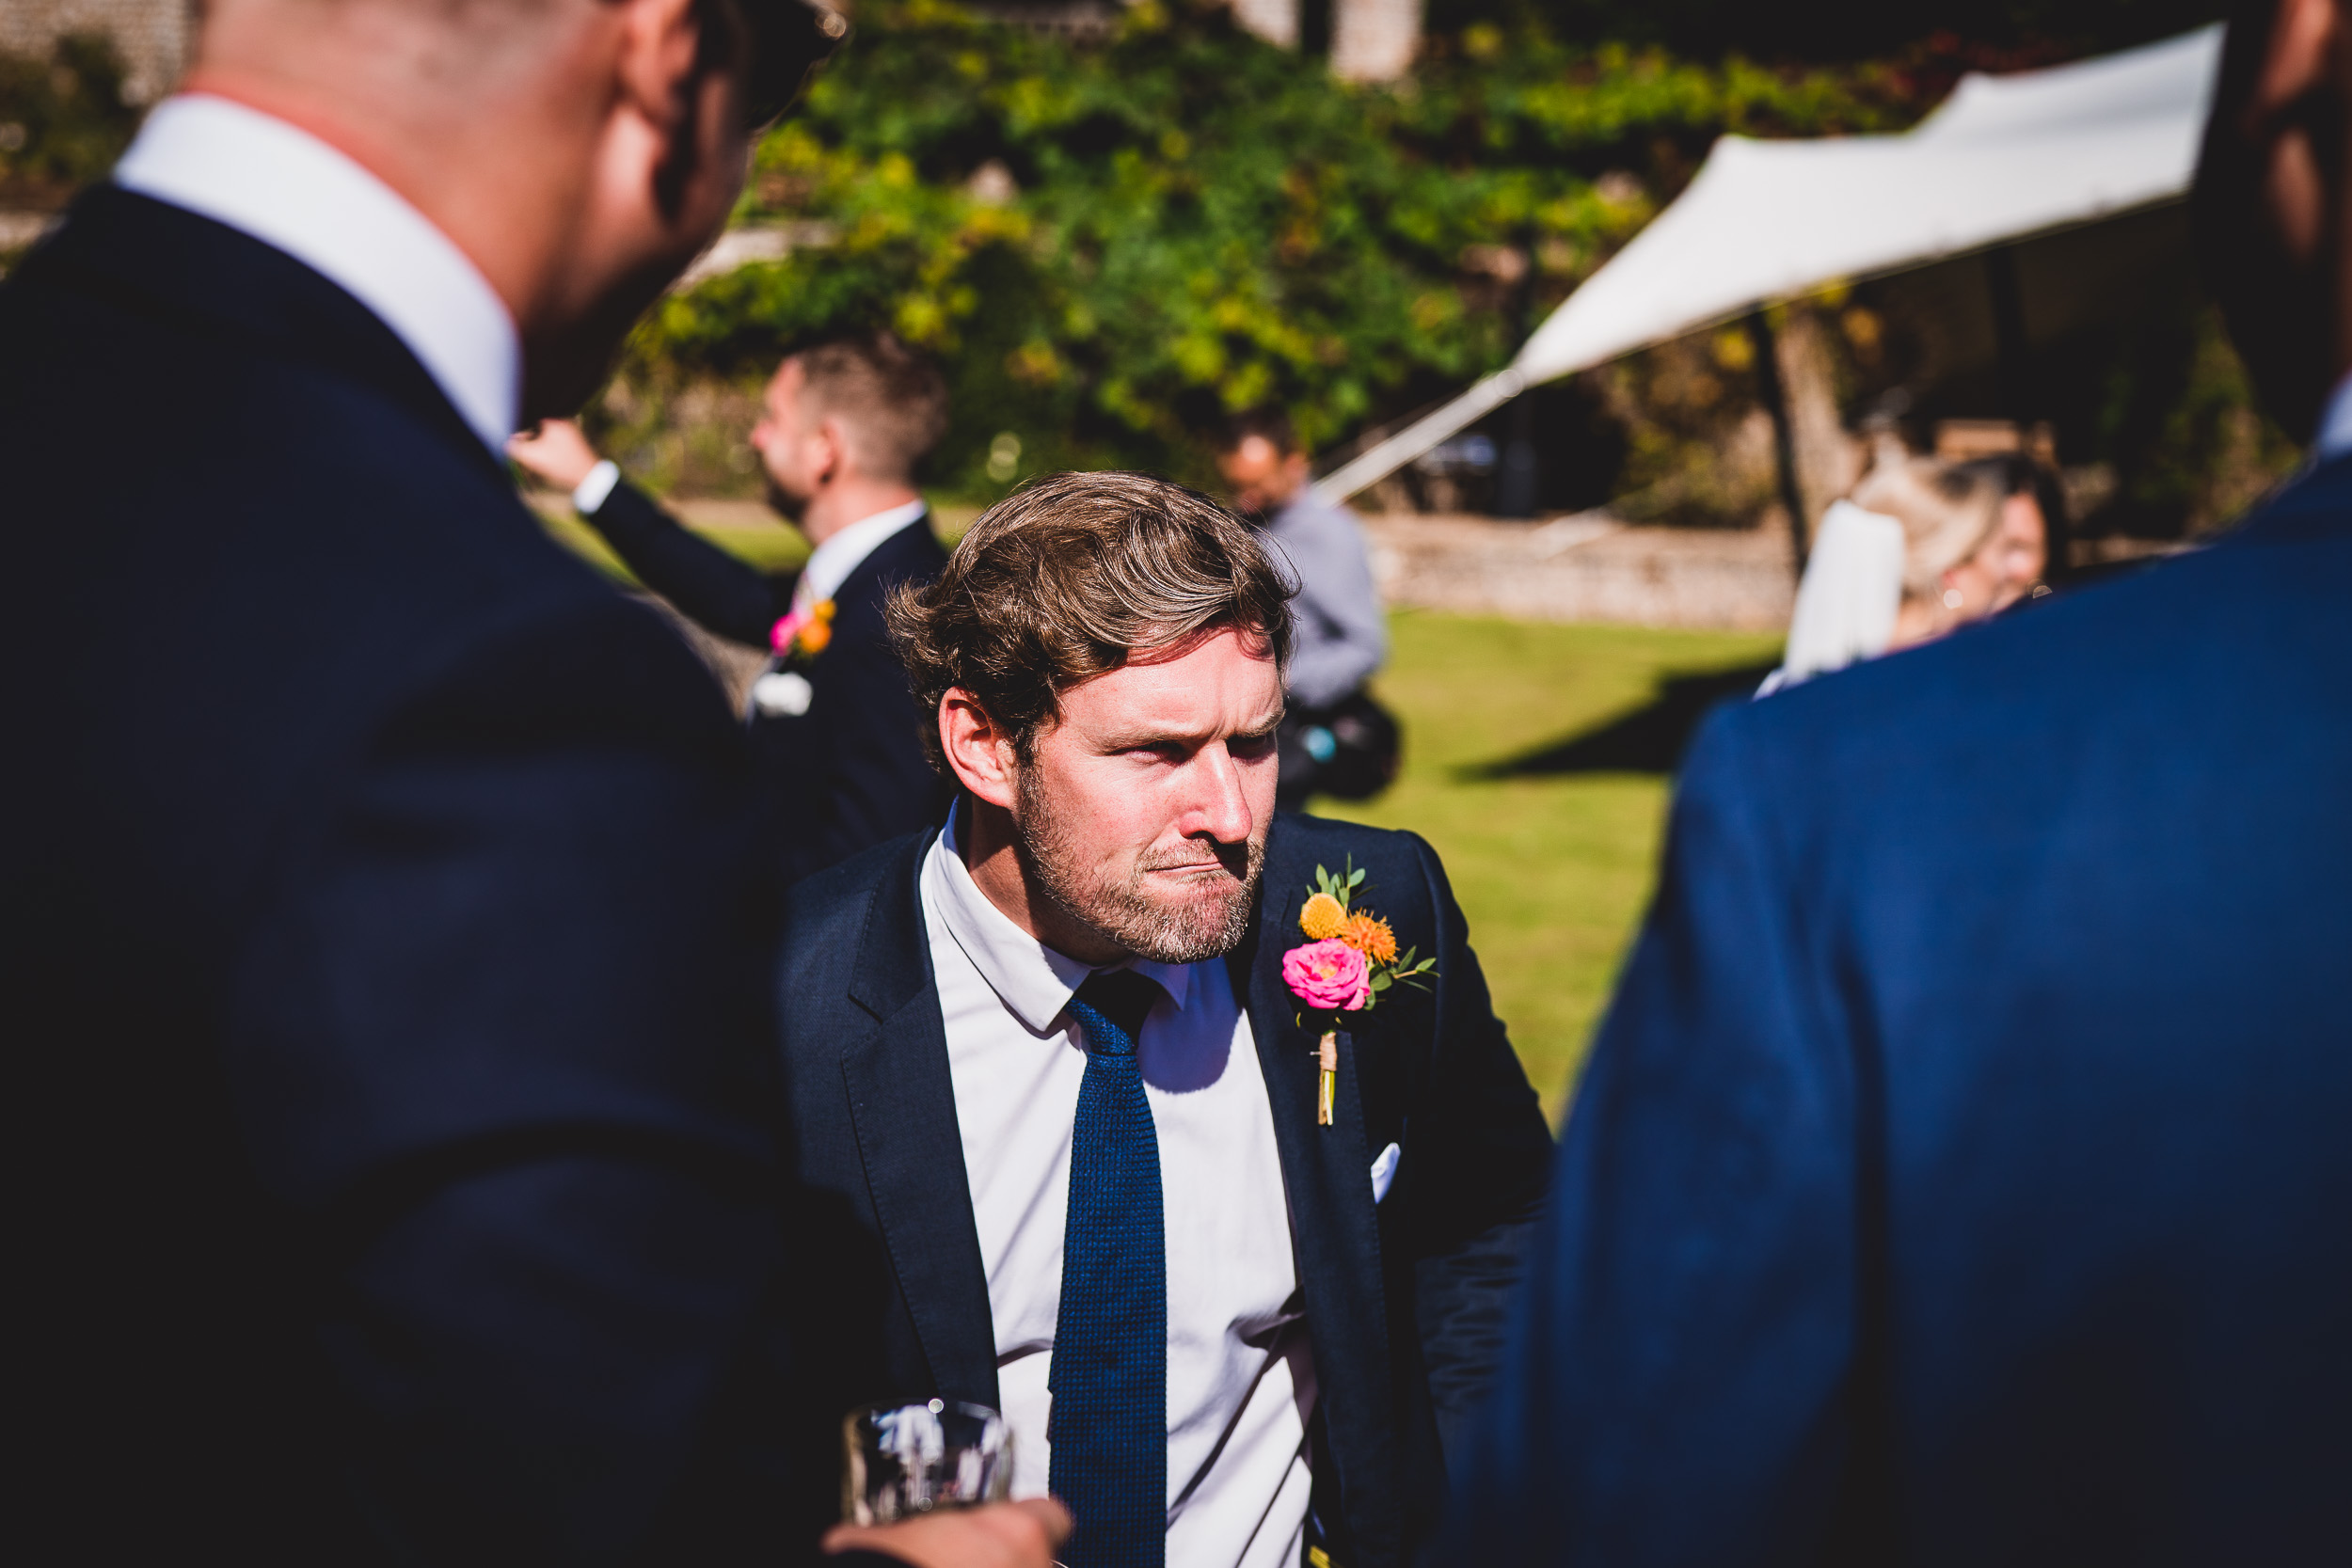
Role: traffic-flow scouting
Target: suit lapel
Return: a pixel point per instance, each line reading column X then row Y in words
column 1334, row 1222
column 902, row 1102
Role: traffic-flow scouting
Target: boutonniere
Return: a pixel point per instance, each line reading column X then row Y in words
column 1348, row 960
column 781, row 691
column 804, row 633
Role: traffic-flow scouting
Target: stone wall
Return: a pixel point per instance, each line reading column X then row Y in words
column 154, row 36
column 1586, row 568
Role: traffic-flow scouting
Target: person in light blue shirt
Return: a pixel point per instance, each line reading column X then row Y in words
column 1336, row 739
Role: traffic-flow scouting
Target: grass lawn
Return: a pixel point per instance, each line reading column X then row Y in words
column 1536, row 761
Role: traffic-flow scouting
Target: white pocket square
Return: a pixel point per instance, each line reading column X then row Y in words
column 782, row 694
column 1384, row 1172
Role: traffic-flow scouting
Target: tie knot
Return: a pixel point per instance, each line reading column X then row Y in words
column 1110, row 1009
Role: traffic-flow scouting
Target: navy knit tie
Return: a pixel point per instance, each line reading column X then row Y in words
column 1110, row 1378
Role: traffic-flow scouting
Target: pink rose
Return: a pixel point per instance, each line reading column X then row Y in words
column 1328, row 974
column 780, row 636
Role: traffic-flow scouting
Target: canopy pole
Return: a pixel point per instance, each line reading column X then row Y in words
column 2013, row 354
column 1774, row 394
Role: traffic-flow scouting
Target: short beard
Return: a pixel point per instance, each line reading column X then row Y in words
column 1121, row 912
column 782, row 501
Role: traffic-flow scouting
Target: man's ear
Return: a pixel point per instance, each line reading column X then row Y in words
column 977, row 750
column 836, row 440
column 661, row 53
column 673, row 78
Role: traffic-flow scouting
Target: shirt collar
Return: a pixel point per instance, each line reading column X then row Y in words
column 288, row 189
column 830, row 564
column 2335, row 424
column 1034, row 982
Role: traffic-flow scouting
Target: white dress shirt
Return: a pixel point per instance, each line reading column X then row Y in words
column 288, row 189
column 831, row 562
column 1240, row 1378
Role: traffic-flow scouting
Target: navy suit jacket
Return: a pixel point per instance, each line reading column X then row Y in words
column 1965, row 1172
column 393, row 1108
column 1404, row 1299
column 852, row 770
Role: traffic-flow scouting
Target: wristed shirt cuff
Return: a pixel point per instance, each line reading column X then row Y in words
column 595, row 488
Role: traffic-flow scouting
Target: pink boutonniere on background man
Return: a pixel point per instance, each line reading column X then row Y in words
column 1348, row 961
column 781, row 691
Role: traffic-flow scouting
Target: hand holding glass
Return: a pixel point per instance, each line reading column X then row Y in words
column 907, row 1460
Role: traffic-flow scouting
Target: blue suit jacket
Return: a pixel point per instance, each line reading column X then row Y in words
column 1965, row 1172
column 393, row 1109
column 1404, row 1299
column 852, row 770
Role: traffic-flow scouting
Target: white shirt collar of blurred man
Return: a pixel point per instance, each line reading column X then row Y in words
column 830, row 564
column 285, row 187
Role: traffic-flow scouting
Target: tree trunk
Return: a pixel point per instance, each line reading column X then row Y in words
column 1373, row 41
column 1274, row 20
column 1829, row 461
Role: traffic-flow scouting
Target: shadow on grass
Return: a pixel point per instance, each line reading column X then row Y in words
column 1650, row 739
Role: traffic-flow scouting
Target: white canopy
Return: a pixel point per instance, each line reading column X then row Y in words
column 2004, row 157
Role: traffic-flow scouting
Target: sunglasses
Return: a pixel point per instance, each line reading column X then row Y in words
column 789, row 39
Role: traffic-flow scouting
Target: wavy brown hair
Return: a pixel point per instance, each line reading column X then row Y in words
column 1070, row 577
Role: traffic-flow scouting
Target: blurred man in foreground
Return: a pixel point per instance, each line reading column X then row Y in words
column 1335, row 738
column 394, row 1122
column 837, row 734
column 1961, row 1176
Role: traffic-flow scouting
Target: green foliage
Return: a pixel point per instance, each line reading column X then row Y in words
column 1339, row 887
column 1112, row 246
column 1852, row 29
column 2178, row 422
column 62, row 120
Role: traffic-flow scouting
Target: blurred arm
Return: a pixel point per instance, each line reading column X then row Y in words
column 1676, row 1383
column 718, row 591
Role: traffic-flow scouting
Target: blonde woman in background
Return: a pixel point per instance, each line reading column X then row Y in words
column 1921, row 548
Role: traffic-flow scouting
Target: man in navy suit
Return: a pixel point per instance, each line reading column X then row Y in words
column 1961, row 1174
column 838, row 736
column 1048, row 1063
column 392, row 1120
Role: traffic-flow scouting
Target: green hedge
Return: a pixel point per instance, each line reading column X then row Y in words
column 1110, row 245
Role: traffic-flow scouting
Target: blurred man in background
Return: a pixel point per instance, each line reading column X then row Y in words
column 395, row 1128
column 1960, row 1175
column 1336, row 739
column 837, row 733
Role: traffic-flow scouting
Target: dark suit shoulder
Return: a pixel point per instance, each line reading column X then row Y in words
column 1324, row 835
column 2201, row 666
column 911, row 554
column 829, row 916
column 1398, row 863
column 914, row 548
column 843, row 891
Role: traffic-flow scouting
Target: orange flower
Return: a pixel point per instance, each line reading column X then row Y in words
column 1323, row 918
column 1370, row 935
column 818, row 631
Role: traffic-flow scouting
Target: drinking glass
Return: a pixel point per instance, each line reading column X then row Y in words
column 909, row 1458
